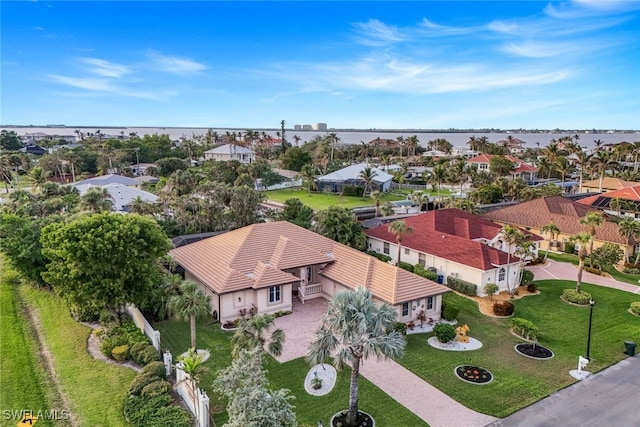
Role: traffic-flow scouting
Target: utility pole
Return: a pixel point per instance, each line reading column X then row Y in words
column 284, row 147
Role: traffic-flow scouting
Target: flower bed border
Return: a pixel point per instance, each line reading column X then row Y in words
column 455, row 372
column 515, row 347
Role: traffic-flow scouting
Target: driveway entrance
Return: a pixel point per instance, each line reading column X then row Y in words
column 300, row 327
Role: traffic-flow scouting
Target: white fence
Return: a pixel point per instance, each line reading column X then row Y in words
column 144, row 325
column 196, row 399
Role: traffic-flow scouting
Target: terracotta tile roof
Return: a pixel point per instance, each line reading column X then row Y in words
column 609, row 183
column 565, row 213
column 449, row 234
column 627, row 193
column 522, row 166
column 255, row 257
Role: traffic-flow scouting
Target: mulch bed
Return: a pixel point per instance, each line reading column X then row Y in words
column 534, row 351
column 473, row 374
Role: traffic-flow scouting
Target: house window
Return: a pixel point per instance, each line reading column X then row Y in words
column 405, row 308
column 407, row 251
column 386, row 248
column 422, row 260
column 483, row 166
column 501, row 274
column 429, row 303
column 275, row 294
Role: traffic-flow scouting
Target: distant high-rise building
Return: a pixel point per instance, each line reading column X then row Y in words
column 319, row 126
column 306, row 127
column 297, row 127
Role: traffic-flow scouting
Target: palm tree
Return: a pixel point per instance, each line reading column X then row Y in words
column 192, row 366
column 38, row 177
column 419, row 198
column 190, row 303
column 524, row 251
column 399, row 228
column 551, row 230
column 601, row 162
column 629, row 228
column 511, row 236
column 376, row 195
column 252, row 333
column 583, row 160
column 581, row 239
column 354, row 328
column 439, row 175
column 367, row 175
column 592, row 220
column 308, row 176
column 97, row 199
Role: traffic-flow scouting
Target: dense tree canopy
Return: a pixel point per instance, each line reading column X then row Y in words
column 104, row 260
column 341, row 225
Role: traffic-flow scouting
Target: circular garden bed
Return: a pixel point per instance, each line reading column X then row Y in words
column 534, row 351
column 364, row 420
column 473, row 374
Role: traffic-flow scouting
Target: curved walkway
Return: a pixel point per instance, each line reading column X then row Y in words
column 433, row 406
column 567, row 271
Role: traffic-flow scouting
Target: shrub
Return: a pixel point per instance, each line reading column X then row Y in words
column 632, row 271
column 156, row 368
column 427, row 274
column 491, row 289
column 155, row 388
column 110, row 342
column 136, row 349
column 155, row 412
column 462, row 286
column 352, row 190
column 84, row 313
column 406, row 266
column 581, row 298
column 504, row 308
column 381, row 257
column 399, row 327
column 532, row 287
column 148, row 355
column 450, row 311
column 120, row 352
column 527, row 277
column 524, row 328
column 141, row 380
column 593, row 270
column 635, row 308
column 444, row 332
column 569, row 247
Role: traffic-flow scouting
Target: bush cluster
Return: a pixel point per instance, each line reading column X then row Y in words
column 593, row 270
column 427, row 274
column 581, row 298
column 281, row 313
column 381, row 257
column 462, row 286
column 352, row 190
column 504, row 308
column 116, row 335
column 155, row 389
column 635, row 307
column 524, row 328
column 532, row 287
column 527, row 277
column 569, row 247
column 406, row 266
column 120, row 352
column 157, row 368
column 399, row 327
column 632, row 270
column 143, row 353
column 444, row 332
column 450, row 311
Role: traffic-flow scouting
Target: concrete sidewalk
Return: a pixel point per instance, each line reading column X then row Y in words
column 567, row 271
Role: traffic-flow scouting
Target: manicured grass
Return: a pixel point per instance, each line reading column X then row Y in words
column 322, row 201
column 24, row 381
column 309, row 409
column 632, row 279
column 96, row 390
column 520, row 381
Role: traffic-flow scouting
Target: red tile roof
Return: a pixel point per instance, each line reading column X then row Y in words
column 449, row 234
column 628, row 193
column 255, row 256
column 522, row 166
column 565, row 213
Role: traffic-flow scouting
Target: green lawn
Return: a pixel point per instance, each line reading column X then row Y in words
column 25, row 384
column 322, row 201
column 96, row 390
column 520, row 381
column 309, row 409
column 633, row 279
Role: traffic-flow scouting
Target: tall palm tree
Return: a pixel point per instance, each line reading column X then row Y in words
column 438, row 176
column 629, row 228
column 581, row 239
column 583, row 160
column 419, row 198
column 355, row 328
column 190, row 303
column 252, row 333
column 308, row 176
column 511, row 236
column 602, row 162
column 592, row 220
column 376, row 195
column 399, row 228
column 368, row 174
column 97, row 199
column 551, row 230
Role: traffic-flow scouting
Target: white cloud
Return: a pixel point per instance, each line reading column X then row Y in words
column 174, row 64
column 105, row 68
column 377, row 33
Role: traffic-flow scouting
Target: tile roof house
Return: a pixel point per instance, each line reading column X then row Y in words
column 608, row 184
column 351, row 176
column 271, row 265
column 230, row 152
column 630, row 195
column 566, row 214
column 523, row 170
column 454, row 243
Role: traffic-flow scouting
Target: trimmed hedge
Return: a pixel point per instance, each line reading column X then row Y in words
column 156, row 368
column 532, row 287
column 444, row 332
column 406, row 266
column 450, row 311
column 120, row 352
column 155, row 388
column 504, row 308
column 399, row 327
column 635, row 307
column 155, row 412
column 593, row 270
column 143, row 353
column 381, row 257
column 427, row 274
column 524, row 328
column 581, row 298
column 141, row 381
column 569, row 247
column 462, row 286
column 527, row 277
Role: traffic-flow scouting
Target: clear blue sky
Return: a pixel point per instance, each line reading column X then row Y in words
column 529, row 64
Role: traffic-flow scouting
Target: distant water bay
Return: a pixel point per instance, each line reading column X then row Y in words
column 458, row 139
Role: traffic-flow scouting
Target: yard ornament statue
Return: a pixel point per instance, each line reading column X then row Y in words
column 461, row 334
column 582, row 363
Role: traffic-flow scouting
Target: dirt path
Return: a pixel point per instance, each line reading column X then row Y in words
column 47, row 357
column 93, row 347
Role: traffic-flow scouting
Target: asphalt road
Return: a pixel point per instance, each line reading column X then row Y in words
column 609, row 398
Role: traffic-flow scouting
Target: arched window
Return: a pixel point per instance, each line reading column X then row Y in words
column 501, row 274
